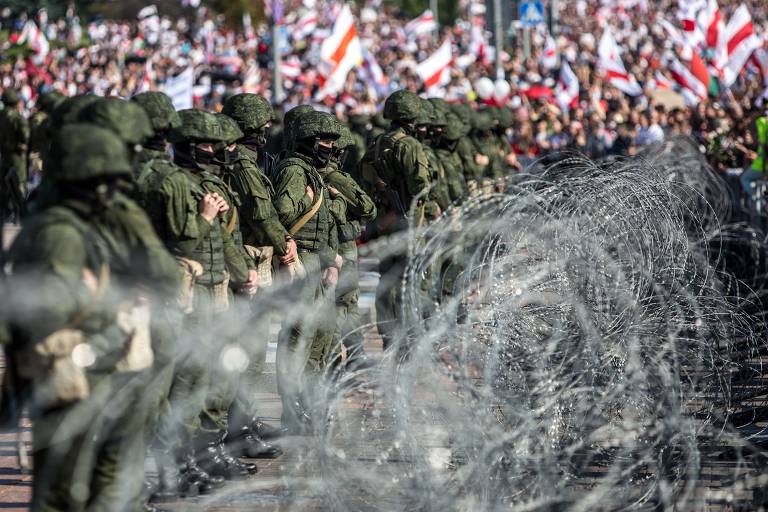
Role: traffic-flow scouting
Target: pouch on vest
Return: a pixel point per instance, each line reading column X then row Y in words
column 190, row 271
column 262, row 259
column 221, row 295
column 134, row 319
column 57, row 378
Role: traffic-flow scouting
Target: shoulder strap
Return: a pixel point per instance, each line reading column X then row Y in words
column 305, row 218
column 232, row 222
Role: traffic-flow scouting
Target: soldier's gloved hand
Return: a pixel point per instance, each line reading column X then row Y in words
column 334, row 193
column 209, row 207
column 330, row 277
column 250, row 286
column 291, row 252
column 310, row 193
column 223, row 205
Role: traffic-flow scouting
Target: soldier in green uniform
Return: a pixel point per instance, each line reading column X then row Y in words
column 483, row 139
column 14, row 140
column 359, row 210
column 302, row 201
column 445, row 141
column 81, row 333
column 182, row 214
column 217, row 263
column 264, row 237
column 379, row 126
column 360, row 128
column 395, row 173
column 288, row 122
column 473, row 163
column 429, row 124
column 40, row 133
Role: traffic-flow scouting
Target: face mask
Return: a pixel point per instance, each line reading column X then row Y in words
column 422, row 133
column 436, row 136
column 255, row 139
column 203, row 157
column 323, row 155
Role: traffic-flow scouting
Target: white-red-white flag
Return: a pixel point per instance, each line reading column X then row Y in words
column 567, row 90
column 35, row 39
column 436, row 70
column 741, row 42
column 712, row 26
column 549, row 55
column 687, row 80
column 290, row 68
column 339, row 53
column 661, row 82
column 304, row 26
column 760, row 60
column 424, row 24
column 613, row 68
column 688, row 11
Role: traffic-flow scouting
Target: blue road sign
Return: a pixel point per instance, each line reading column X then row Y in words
column 531, row 13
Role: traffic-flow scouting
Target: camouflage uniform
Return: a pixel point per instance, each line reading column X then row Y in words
column 472, row 170
column 304, row 343
column 485, row 144
column 263, row 236
column 395, row 173
column 200, row 401
column 40, row 133
column 14, row 133
column 359, row 211
column 438, row 178
column 87, row 438
column 450, row 159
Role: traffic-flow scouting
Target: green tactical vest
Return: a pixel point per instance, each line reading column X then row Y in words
column 314, row 235
column 762, row 144
column 210, row 251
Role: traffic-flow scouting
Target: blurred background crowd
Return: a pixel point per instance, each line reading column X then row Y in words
column 200, row 53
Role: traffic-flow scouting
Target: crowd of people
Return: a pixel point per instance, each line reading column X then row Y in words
column 157, row 242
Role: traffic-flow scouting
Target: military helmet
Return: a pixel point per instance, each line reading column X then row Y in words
column 250, row 111
column 160, row 109
column 506, row 118
column 359, row 121
column 441, row 105
column 438, row 115
column 295, row 113
column 464, row 112
column 380, row 122
column 128, row 120
column 403, row 106
column 345, row 139
column 69, row 109
column 197, row 126
column 482, row 121
column 454, row 128
column 49, row 101
column 426, row 113
column 82, row 151
column 10, row 97
column 231, row 131
column 316, row 124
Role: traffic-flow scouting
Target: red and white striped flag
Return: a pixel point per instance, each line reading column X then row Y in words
column 613, row 67
column 549, row 56
column 424, row 24
column 304, row 26
column 35, row 39
column 688, row 11
column 687, row 80
column 760, row 60
column 567, row 91
column 290, row 68
column 661, row 82
column 712, row 25
column 741, row 42
column 436, row 70
column 340, row 52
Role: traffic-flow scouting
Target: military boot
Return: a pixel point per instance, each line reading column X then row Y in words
column 246, row 443
column 192, row 473
column 216, row 460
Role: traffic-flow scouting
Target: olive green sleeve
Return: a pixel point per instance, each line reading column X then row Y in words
column 184, row 226
column 237, row 265
column 291, row 199
column 360, row 206
column 257, row 209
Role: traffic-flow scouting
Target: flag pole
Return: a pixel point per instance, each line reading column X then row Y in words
column 277, row 81
column 433, row 8
column 497, row 37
